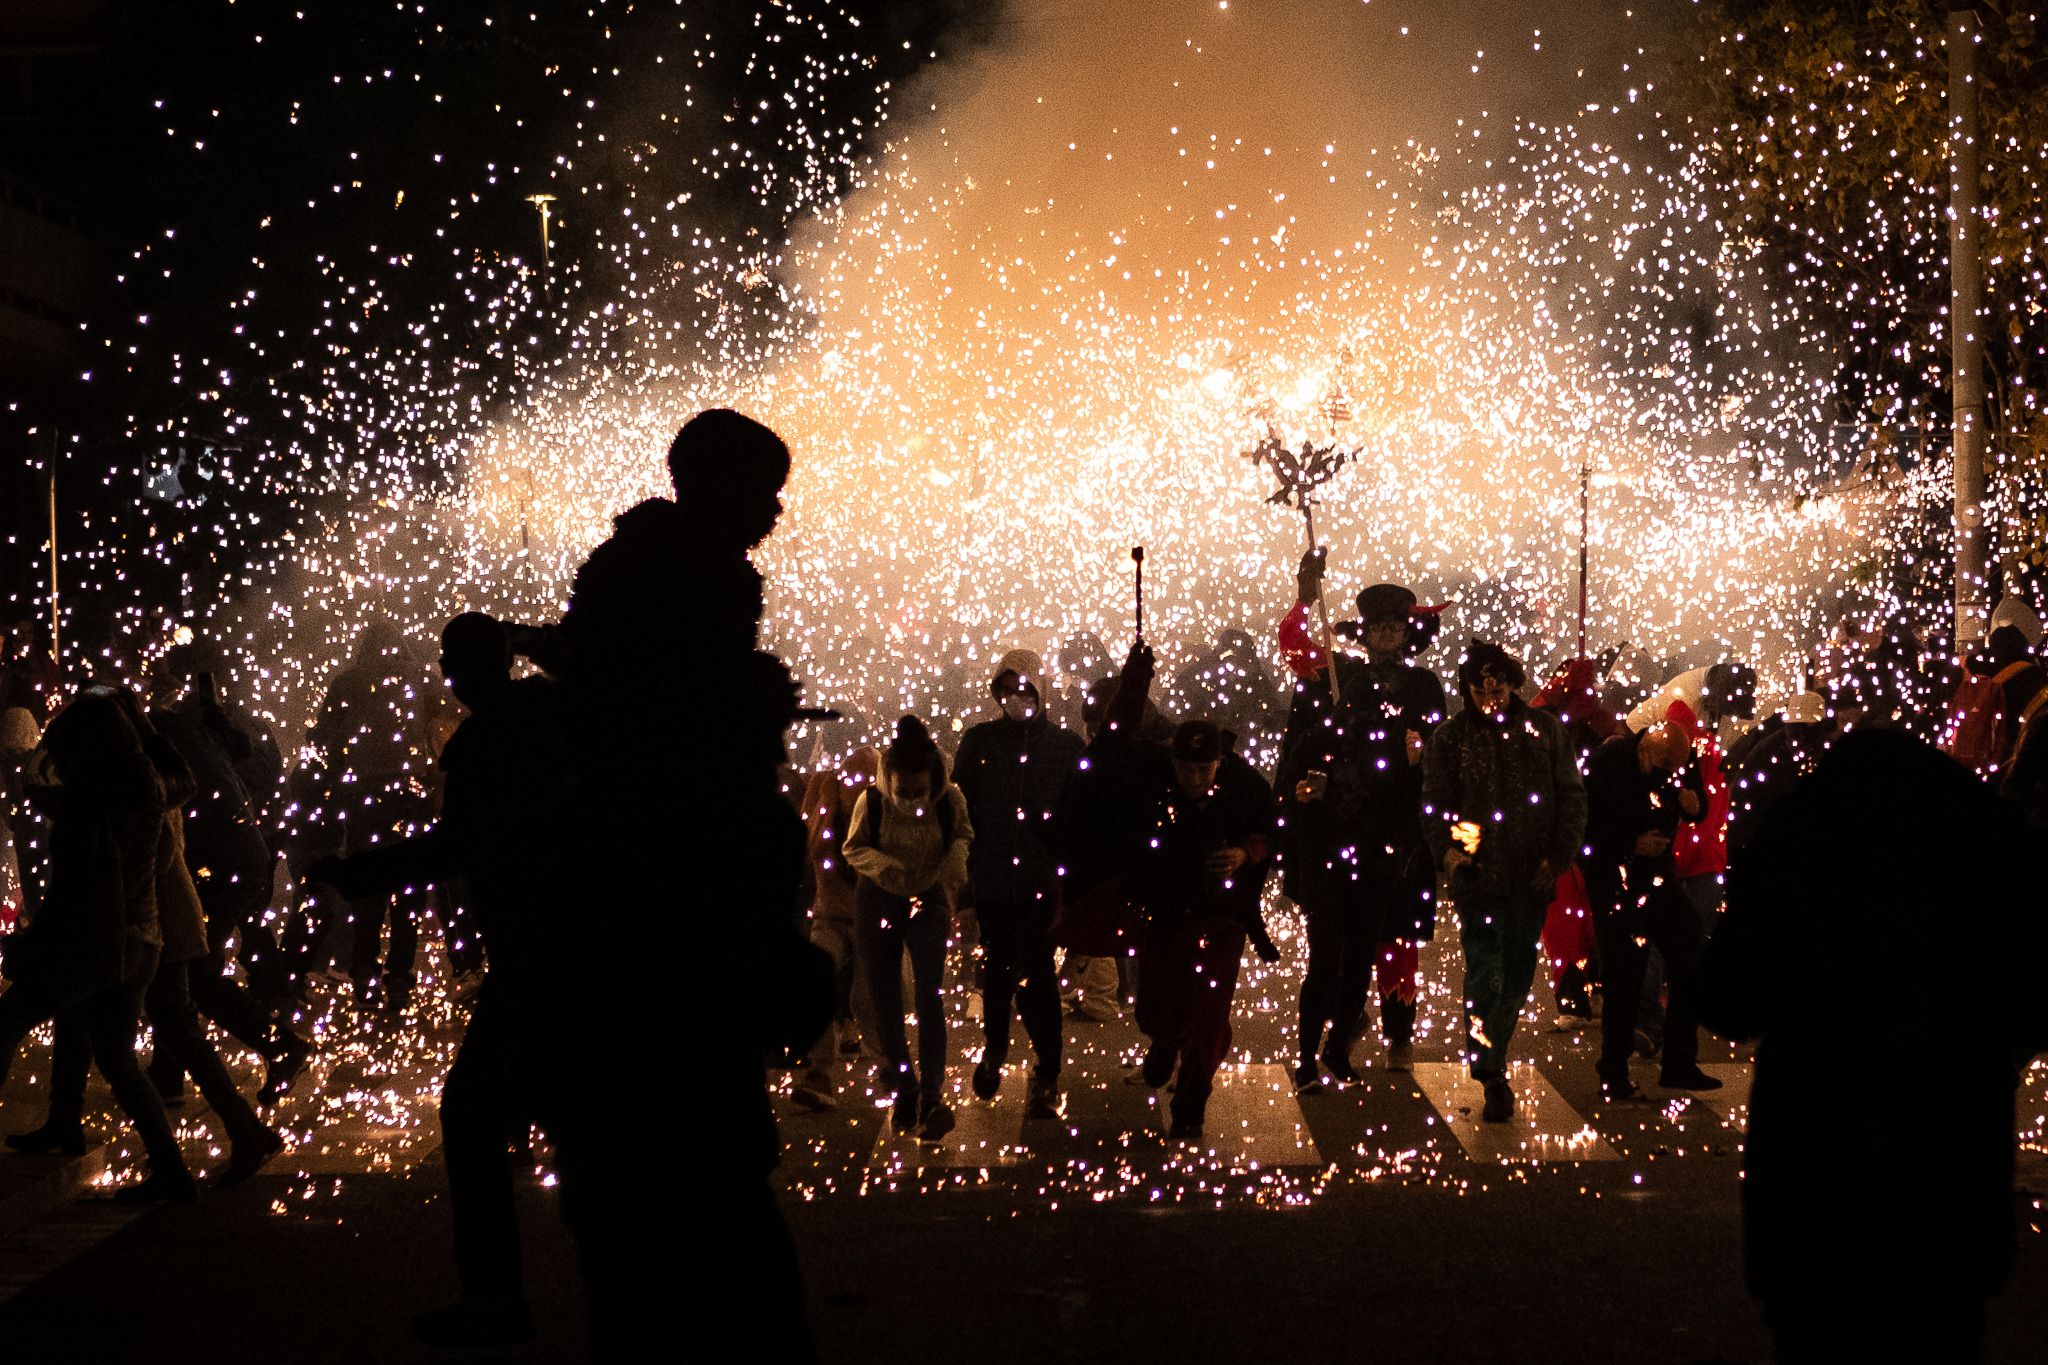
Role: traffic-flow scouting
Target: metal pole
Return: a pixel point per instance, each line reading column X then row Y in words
column 1965, row 315
column 1585, row 497
column 1138, row 558
column 1308, row 513
column 55, row 650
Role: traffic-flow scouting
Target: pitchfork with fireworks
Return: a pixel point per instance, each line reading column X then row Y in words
column 1302, row 473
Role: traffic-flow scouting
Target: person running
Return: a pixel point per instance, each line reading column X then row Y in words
column 1352, row 855
column 1200, row 866
column 909, row 839
column 1012, row 770
column 1503, row 810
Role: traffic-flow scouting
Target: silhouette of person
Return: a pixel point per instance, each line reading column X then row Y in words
column 1879, row 1240
column 93, row 947
column 502, row 812
column 681, row 743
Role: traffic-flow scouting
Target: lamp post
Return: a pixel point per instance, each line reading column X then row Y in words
column 1965, row 315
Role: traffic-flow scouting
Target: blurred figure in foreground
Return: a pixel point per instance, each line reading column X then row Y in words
column 1882, row 1241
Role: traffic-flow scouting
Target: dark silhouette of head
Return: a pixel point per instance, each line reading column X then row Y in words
column 915, row 769
column 476, row 657
column 381, row 639
column 91, row 735
column 728, row 471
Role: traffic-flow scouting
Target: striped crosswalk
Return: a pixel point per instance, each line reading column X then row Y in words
column 1544, row 1127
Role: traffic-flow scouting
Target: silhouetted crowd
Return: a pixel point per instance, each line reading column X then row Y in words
column 612, row 839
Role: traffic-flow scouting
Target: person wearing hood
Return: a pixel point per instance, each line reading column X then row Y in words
column 1503, row 809
column 1979, row 729
column 908, row 839
column 1352, row 853
column 1202, row 828
column 1721, row 697
column 1012, row 770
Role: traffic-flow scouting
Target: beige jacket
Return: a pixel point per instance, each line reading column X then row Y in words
column 909, row 855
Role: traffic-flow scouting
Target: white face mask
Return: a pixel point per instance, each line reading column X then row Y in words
column 1018, row 705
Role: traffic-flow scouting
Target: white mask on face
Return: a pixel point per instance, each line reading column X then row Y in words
column 1018, row 705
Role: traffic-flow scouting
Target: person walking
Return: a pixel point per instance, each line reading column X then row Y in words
column 1641, row 791
column 1352, row 854
column 1503, row 810
column 506, row 784
column 909, row 839
column 1012, row 770
column 1202, row 854
column 94, row 943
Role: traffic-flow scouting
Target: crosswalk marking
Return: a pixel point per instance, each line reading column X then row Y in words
column 1731, row 1101
column 1544, row 1128
column 985, row 1134
column 1253, row 1118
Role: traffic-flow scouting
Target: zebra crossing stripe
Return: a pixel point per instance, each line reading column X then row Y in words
column 1253, row 1118
column 1544, row 1128
column 1731, row 1101
column 986, row 1134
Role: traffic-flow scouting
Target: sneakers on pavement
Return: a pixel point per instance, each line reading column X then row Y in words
column 1401, row 1057
column 1043, row 1099
column 988, row 1079
column 1500, row 1102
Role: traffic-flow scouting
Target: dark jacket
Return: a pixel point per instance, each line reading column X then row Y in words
column 223, row 837
column 1370, row 816
column 1177, row 833
column 501, row 826
column 99, row 909
column 1623, row 803
column 1843, row 871
column 1013, row 773
column 1516, row 776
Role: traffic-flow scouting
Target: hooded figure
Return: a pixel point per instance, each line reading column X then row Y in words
column 908, row 839
column 1503, row 809
column 1013, row 770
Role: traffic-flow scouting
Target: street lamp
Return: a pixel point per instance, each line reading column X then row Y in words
column 541, row 202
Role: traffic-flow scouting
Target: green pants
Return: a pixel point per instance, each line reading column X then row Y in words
column 1500, row 932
